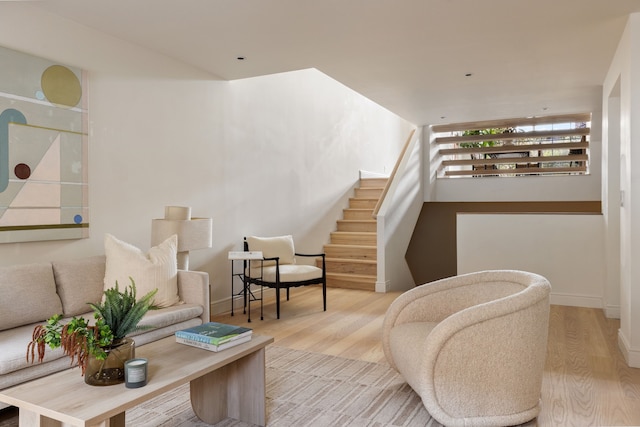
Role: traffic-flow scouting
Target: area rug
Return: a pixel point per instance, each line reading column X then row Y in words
column 305, row 389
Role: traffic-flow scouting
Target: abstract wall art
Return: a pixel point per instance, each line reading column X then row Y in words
column 43, row 149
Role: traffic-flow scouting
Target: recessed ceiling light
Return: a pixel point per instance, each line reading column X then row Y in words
column 240, row 58
column 468, row 74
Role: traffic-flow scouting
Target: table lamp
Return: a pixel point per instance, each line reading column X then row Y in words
column 193, row 233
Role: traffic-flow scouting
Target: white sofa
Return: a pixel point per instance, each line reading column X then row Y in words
column 473, row 346
column 32, row 293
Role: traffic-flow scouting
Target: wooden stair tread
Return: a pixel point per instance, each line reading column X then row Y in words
column 352, row 276
column 354, row 233
column 347, row 246
column 374, row 181
column 354, row 238
column 352, row 260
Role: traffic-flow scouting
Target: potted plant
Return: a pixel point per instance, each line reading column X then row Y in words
column 102, row 348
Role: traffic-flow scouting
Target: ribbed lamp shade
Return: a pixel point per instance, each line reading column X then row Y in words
column 193, row 233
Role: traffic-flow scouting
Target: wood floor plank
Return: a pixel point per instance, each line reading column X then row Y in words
column 586, row 381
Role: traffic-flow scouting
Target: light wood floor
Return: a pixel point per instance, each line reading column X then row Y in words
column 586, row 381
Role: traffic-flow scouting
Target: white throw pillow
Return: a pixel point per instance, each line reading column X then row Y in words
column 156, row 270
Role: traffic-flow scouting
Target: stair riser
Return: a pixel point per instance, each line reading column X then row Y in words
column 357, row 226
column 355, row 252
column 373, row 182
column 368, row 193
column 363, row 203
column 354, row 239
column 358, row 214
column 345, row 267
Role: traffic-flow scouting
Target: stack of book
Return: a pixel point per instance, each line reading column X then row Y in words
column 214, row 336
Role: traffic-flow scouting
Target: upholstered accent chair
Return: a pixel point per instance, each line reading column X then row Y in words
column 279, row 269
column 473, row 346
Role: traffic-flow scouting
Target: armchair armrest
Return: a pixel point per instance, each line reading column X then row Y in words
column 324, row 266
column 310, row 255
column 436, row 301
column 193, row 288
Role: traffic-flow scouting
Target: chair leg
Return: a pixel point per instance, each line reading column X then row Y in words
column 324, row 295
column 277, row 302
column 287, row 294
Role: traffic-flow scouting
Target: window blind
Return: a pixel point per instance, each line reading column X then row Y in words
column 551, row 145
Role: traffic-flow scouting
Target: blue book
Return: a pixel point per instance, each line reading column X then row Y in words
column 214, row 333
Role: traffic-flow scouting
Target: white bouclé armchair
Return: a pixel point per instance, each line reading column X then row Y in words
column 473, row 346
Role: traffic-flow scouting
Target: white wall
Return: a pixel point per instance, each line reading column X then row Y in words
column 566, row 249
column 269, row 155
column 519, row 241
column 621, row 189
column 397, row 218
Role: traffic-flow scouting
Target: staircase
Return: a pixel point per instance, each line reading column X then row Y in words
column 352, row 252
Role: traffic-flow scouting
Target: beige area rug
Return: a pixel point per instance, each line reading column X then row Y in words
column 305, row 389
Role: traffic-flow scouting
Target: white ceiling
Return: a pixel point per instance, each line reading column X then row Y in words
column 527, row 57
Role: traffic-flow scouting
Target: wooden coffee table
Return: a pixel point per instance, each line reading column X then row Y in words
column 229, row 383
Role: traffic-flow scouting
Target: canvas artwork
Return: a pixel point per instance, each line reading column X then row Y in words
column 43, row 149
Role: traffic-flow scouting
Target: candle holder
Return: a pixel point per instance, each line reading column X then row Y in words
column 135, row 373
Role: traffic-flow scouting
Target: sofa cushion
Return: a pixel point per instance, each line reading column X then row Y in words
column 13, row 350
column 406, row 340
column 28, row 295
column 288, row 273
column 155, row 270
column 79, row 282
column 158, row 319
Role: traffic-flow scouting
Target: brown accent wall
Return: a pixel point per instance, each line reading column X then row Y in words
column 432, row 252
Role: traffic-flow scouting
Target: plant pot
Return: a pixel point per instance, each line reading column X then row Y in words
column 111, row 370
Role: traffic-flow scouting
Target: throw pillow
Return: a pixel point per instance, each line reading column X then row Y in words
column 155, row 270
column 79, row 282
column 28, row 295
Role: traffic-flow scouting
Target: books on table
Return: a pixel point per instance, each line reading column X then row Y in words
column 212, row 347
column 214, row 336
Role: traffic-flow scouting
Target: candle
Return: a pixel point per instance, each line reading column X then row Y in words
column 135, row 373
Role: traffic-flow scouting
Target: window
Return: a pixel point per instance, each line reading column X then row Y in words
column 552, row 145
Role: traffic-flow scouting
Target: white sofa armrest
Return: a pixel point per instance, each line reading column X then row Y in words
column 193, row 288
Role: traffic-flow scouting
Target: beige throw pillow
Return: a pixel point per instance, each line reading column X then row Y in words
column 155, row 270
column 27, row 295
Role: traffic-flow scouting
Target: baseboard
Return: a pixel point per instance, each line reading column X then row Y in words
column 574, row 300
column 612, row 311
column 382, row 287
column 631, row 356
